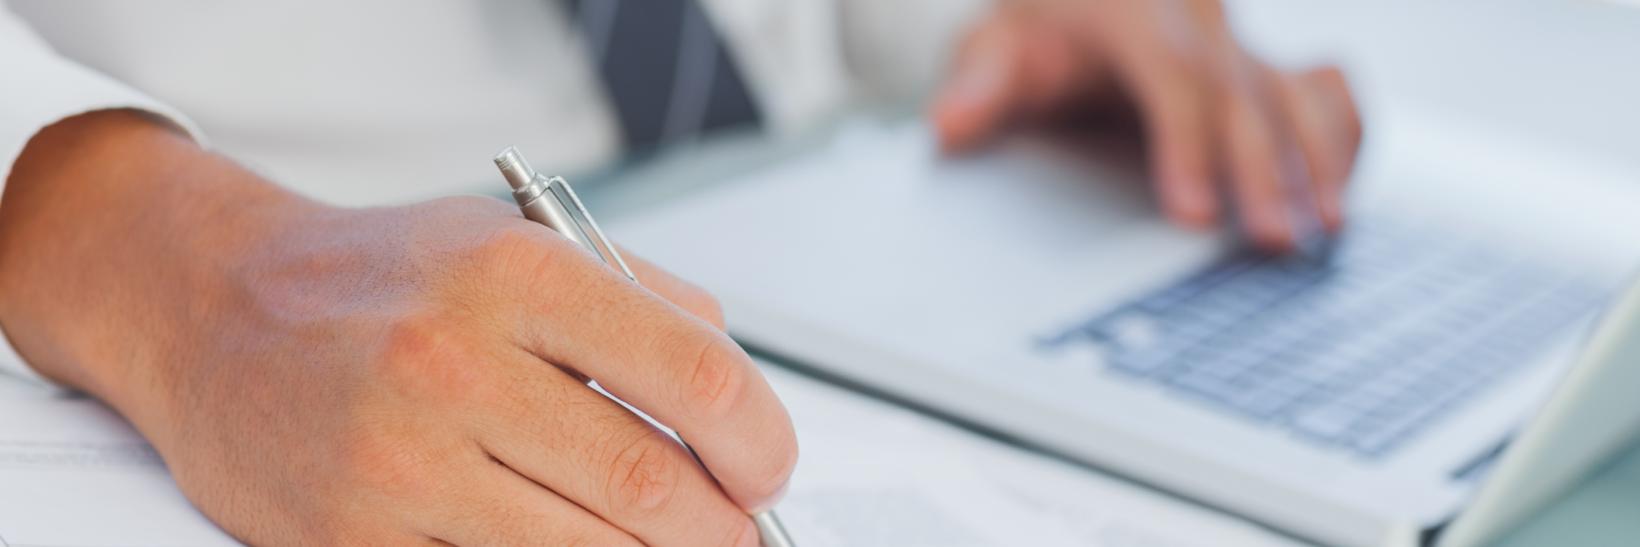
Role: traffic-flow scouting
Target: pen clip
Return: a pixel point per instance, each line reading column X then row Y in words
column 565, row 195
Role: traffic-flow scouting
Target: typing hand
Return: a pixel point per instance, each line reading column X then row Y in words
column 324, row 376
column 1211, row 111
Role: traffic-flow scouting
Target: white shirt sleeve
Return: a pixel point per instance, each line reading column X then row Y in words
column 39, row 88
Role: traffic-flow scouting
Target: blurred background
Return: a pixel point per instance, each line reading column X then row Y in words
column 1558, row 71
column 419, row 114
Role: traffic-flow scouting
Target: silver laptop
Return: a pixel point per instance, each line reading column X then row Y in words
column 1034, row 290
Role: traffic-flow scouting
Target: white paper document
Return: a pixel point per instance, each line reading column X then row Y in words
column 73, row 474
column 875, row 474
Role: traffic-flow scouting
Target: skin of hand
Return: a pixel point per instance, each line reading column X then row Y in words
column 1282, row 143
column 405, row 375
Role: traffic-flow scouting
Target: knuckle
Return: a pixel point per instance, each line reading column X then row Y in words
column 410, row 339
column 717, row 378
column 422, row 358
column 643, row 476
column 525, row 254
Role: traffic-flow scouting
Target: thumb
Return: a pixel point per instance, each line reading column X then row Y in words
column 977, row 99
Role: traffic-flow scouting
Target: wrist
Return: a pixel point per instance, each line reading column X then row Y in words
column 114, row 233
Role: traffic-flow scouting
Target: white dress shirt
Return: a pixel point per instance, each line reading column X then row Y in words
column 387, row 101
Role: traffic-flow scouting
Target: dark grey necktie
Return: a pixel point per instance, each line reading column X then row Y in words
column 665, row 68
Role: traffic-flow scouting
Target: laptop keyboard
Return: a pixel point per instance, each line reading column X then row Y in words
column 1360, row 352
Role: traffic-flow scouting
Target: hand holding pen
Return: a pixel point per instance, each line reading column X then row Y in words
column 553, row 203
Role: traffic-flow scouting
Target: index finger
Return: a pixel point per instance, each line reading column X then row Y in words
column 672, row 365
column 686, row 295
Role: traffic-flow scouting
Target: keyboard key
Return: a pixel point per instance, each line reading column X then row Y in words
column 1326, row 426
column 1361, row 353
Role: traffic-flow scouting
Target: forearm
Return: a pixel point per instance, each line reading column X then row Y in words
column 111, row 228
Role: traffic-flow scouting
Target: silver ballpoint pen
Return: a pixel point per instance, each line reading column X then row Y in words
column 551, row 201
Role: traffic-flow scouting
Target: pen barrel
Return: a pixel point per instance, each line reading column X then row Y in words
column 544, row 209
column 771, row 531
